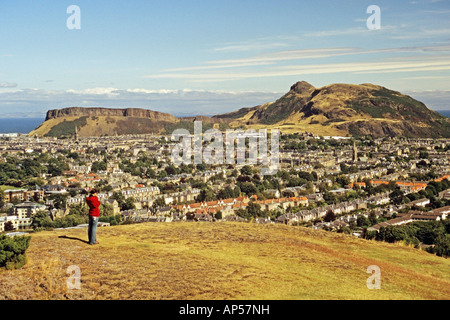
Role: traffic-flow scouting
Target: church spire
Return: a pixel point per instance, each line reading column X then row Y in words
column 355, row 152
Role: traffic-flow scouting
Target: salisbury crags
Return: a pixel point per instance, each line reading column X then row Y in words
column 109, row 121
column 107, row 112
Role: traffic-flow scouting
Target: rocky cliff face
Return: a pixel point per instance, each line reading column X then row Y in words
column 109, row 112
column 103, row 121
column 88, row 122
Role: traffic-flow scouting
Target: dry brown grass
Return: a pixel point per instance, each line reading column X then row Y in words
column 222, row 261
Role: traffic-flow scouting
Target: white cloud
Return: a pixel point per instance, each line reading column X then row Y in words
column 351, row 31
column 263, row 43
column 147, row 91
column 228, row 69
column 249, row 47
column 422, row 34
column 8, row 85
column 217, row 65
column 314, row 69
column 268, row 59
column 95, row 91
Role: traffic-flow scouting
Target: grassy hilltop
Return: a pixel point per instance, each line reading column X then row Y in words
column 222, row 261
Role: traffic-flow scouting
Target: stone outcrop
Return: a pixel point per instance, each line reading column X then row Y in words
column 108, row 112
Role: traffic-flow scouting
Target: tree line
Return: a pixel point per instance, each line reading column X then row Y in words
column 435, row 235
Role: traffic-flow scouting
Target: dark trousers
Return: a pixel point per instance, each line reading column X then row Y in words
column 92, row 229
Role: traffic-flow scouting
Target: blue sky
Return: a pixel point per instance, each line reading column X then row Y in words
column 210, row 57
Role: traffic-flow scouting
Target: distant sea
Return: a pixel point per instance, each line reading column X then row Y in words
column 444, row 112
column 26, row 125
column 19, row 125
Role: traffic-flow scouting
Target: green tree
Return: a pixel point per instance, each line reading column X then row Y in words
column 162, row 174
column 442, row 246
column 41, row 220
column 98, row 166
column 59, row 200
column 80, row 209
column 368, row 234
column 2, row 198
column 171, row 170
column 342, row 180
column 362, row 221
column 9, row 226
column 372, row 219
column 12, row 251
column 119, row 197
column 226, row 193
column 129, row 204
column 396, row 196
column 202, row 167
column 309, row 176
column 106, row 210
column 158, row 203
column 112, row 220
column 428, row 232
column 395, row 233
column 329, row 197
column 242, row 213
column 424, row 155
column 247, row 170
column 56, row 166
column 254, row 209
column 248, row 188
column 329, row 216
column 345, row 230
column 206, row 195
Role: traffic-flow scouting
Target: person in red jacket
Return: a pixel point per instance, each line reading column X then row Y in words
column 94, row 213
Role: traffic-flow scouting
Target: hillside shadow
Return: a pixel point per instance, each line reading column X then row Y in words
column 73, row 238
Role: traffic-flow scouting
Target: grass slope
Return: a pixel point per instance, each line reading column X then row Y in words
column 47, row 126
column 222, row 261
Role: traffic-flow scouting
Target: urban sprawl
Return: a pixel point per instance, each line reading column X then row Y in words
column 342, row 184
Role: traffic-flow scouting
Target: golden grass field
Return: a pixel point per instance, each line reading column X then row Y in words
column 218, row 261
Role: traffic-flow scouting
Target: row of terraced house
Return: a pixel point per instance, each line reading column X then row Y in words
column 338, row 208
column 406, row 186
column 411, row 216
column 230, row 206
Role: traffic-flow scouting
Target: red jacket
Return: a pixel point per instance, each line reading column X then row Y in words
column 93, row 204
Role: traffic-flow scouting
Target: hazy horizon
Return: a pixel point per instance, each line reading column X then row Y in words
column 215, row 57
